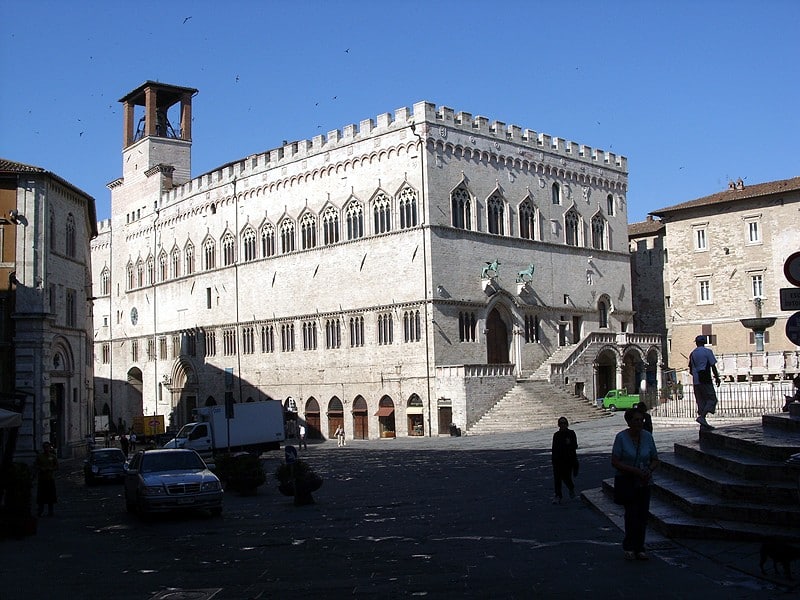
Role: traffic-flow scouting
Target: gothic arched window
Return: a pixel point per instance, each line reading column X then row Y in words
column 495, row 209
column 355, row 220
column 527, row 220
column 408, row 208
column 330, row 226
column 461, row 208
column 382, row 211
column 571, row 226
column 308, row 231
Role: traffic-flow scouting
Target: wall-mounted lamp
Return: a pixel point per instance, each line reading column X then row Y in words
column 13, row 216
column 566, row 298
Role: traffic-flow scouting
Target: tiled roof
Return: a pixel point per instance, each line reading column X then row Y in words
column 745, row 192
column 650, row 226
column 9, row 166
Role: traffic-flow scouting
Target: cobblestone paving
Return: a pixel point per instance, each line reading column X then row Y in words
column 437, row 518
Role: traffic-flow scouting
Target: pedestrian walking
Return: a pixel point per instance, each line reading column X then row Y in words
column 702, row 363
column 339, row 433
column 634, row 456
column 132, row 439
column 303, row 445
column 564, row 458
column 46, row 465
column 124, row 444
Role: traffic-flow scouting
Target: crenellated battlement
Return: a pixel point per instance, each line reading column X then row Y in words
column 465, row 122
column 422, row 112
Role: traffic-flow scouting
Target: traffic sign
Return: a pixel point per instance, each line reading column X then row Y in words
column 791, row 268
column 793, row 328
column 790, row 298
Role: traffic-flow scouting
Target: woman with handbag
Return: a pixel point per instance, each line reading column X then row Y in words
column 635, row 457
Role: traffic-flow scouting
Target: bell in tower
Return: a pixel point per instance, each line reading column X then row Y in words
column 157, row 133
column 157, row 99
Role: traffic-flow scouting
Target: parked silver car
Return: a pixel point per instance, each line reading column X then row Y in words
column 168, row 479
column 104, row 464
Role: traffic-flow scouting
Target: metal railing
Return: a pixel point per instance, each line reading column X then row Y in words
column 749, row 399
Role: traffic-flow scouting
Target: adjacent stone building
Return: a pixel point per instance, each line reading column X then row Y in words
column 721, row 261
column 46, row 331
column 394, row 276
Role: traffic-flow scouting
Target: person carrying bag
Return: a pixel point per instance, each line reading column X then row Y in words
column 634, row 456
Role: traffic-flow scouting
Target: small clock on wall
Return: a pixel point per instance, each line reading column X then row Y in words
column 134, row 316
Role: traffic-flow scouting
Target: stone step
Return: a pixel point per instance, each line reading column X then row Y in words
column 782, row 421
column 678, row 474
column 534, row 405
column 763, row 442
column 730, row 485
column 710, row 520
column 740, row 465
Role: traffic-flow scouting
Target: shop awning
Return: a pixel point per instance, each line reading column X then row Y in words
column 414, row 410
column 384, row 411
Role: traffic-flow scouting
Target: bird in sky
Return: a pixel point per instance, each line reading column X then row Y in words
column 186, row 19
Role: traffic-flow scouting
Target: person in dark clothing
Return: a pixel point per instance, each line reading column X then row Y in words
column 648, row 420
column 564, row 458
column 46, row 465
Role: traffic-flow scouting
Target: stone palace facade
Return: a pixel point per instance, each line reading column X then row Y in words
column 395, row 277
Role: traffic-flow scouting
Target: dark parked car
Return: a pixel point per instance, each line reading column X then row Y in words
column 104, row 464
column 167, row 479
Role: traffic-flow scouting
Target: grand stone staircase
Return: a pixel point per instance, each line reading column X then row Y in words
column 534, row 404
column 733, row 483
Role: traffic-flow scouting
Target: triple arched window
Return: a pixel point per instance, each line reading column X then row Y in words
column 495, row 208
column 382, row 213
column 571, row 227
column 461, row 208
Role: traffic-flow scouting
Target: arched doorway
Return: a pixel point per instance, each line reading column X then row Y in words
column 497, row 343
column 385, row 415
column 632, row 371
column 360, row 419
column 312, row 420
column 290, row 417
column 335, row 416
column 133, row 395
column 183, row 390
column 605, row 366
column 416, row 425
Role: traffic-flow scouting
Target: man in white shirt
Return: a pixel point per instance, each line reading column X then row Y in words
column 702, row 363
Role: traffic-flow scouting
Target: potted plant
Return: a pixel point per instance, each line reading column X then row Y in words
column 241, row 472
column 299, row 480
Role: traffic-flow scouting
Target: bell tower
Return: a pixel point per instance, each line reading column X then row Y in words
column 157, row 137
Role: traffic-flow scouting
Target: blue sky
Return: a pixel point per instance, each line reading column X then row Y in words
column 693, row 93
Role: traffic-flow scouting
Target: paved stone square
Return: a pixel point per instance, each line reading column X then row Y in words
column 466, row 517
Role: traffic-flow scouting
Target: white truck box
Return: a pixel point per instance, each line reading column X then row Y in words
column 256, row 426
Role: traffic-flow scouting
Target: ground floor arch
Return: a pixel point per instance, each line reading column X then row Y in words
column 312, row 416
column 498, row 341
column 414, row 414
column 335, row 416
column 360, row 419
column 385, row 414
